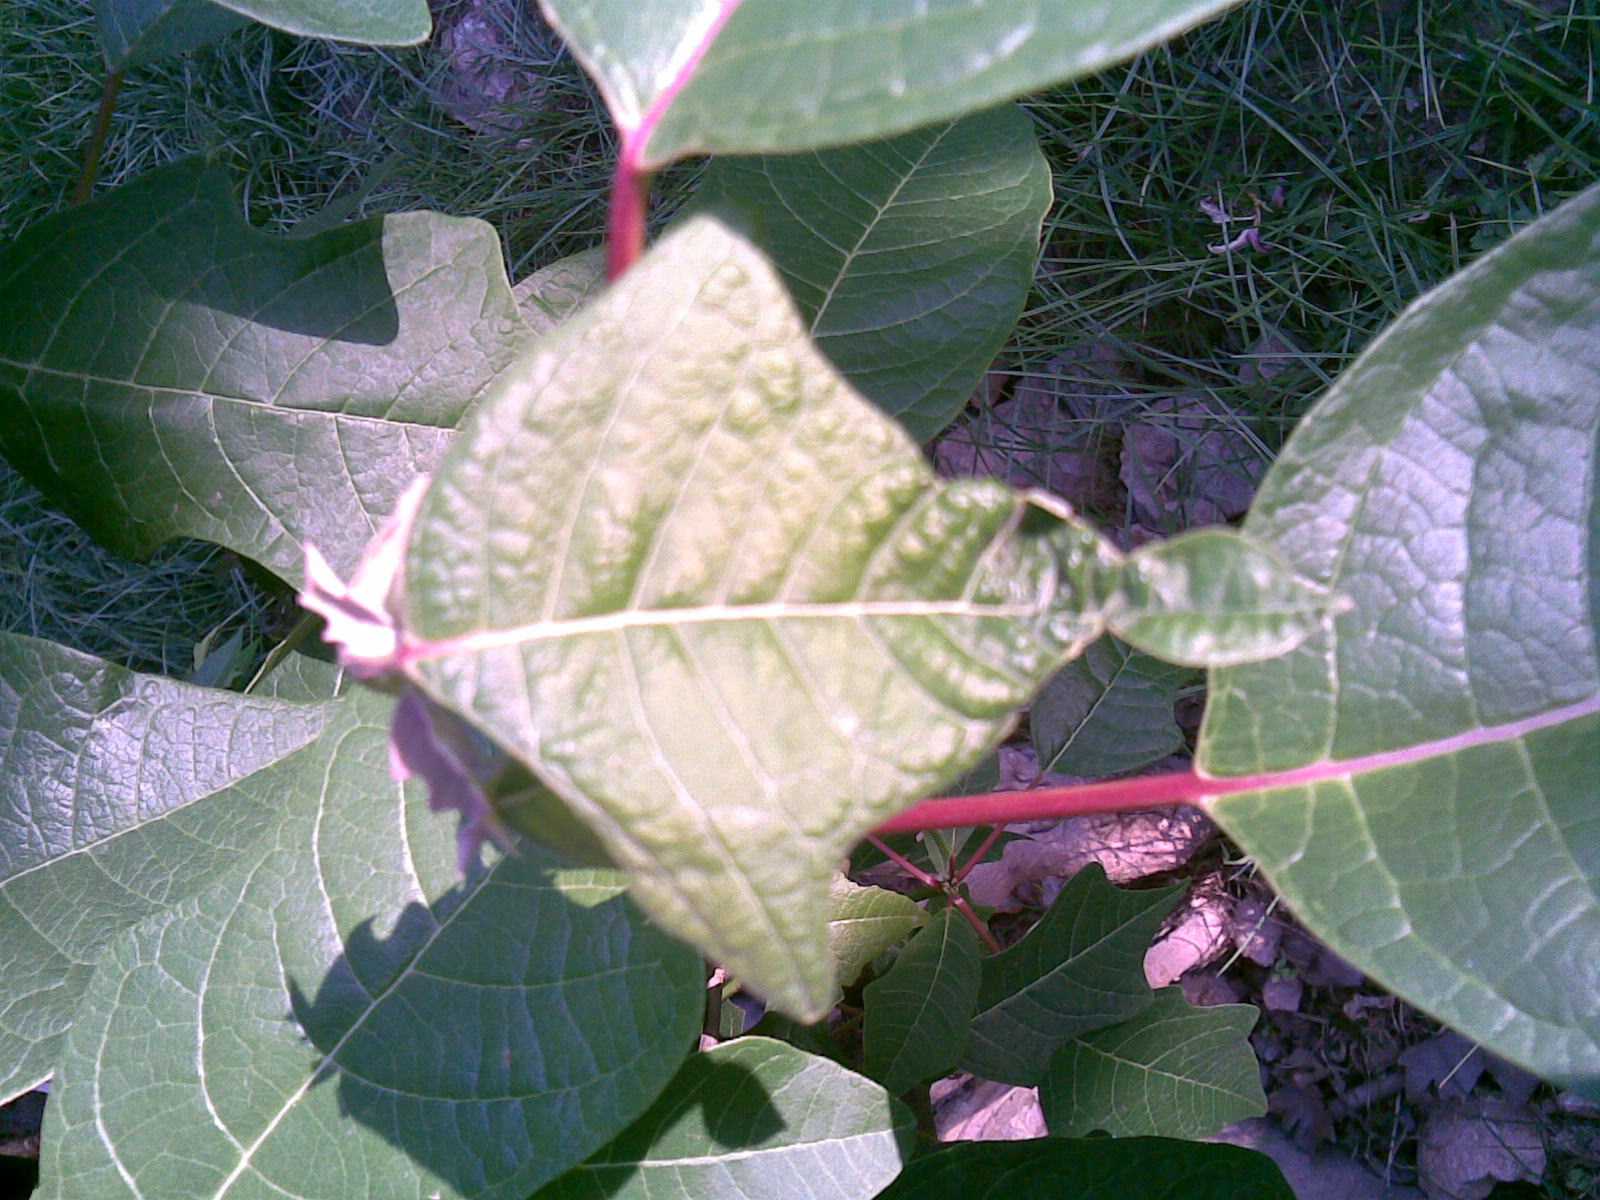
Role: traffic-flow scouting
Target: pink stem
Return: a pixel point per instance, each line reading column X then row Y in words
column 1187, row 787
column 983, row 849
column 959, row 903
column 630, row 192
column 630, row 188
column 1039, row 804
column 904, row 863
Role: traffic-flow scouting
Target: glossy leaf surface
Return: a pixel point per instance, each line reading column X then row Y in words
column 121, row 794
column 863, row 922
column 1106, row 712
column 1172, row 1071
column 167, row 371
column 909, row 258
column 1079, row 969
column 722, row 605
column 723, row 77
column 344, row 1016
column 917, row 1014
column 1092, row 1169
column 753, row 1119
column 1441, row 828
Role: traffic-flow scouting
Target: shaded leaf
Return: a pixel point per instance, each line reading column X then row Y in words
column 722, row 607
column 910, row 258
column 343, row 1016
column 1091, row 1169
column 167, row 371
column 1439, row 827
column 121, row 794
column 134, row 32
column 1108, row 711
column 1170, row 1071
column 1079, row 969
column 917, row 1014
column 719, row 77
column 552, row 294
column 753, row 1119
column 863, row 922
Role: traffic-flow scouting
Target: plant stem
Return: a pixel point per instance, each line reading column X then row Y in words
column 904, row 863
column 97, row 139
column 983, row 850
column 1037, row 804
column 630, row 194
column 959, row 903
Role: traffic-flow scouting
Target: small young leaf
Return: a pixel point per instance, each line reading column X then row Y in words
column 1107, row 712
column 552, row 294
column 917, row 1015
column 724, row 77
column 167, row 371
column 723, row 607
column 1214, row 598
column 1079, row 969
column 307, row 1026
column 909, row 258
column 122, row 794
column 863, row 922
column 757, row 1120
column 1444, row 731
column 1091, row 1169
column 1172, row 1070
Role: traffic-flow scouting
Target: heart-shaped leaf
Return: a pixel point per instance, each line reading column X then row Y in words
column 343, row 1016
column 1092, row 1169
column 1079, row 969
column 122, row 794
column 1441, row 737
column 724, row 77
column 916, row 1016
column 863, row 922
column 910, row 258
column 1172, row 1071
column 1107, row 712
column 723, row 607
column 167, row 371
column 753, row 1119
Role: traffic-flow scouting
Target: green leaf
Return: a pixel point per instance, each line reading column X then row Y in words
column 1172, row 1070
column 753, row 1119
column 1091, row 1169
column 1439, row 827
column 1107, row 712
column 1213, row 597
column 863, row 922
column 122, row 794
column 134, row 32
column 720, row 77
column 916, row 1015
column 344, row 1016
column 1079, row 969
column 722, row 606
column 552, row 294
column 909, row 258
column 167, row 371
column 366, row 22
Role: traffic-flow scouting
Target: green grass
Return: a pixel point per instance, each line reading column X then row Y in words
column 1405, row 137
